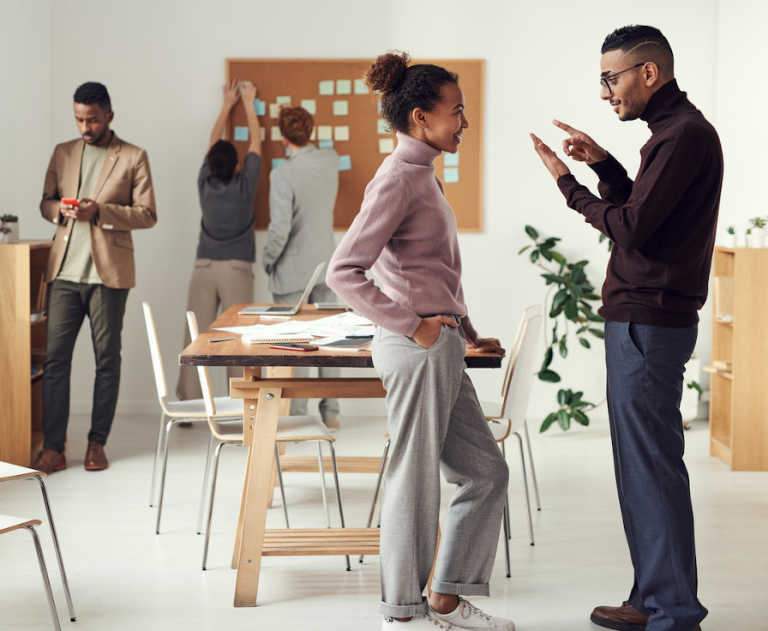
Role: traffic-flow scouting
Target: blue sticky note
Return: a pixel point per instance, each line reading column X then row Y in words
column 345, row 163
column 287, row 152
column 451, row 175
column 325, row 144
column 452, row 159
column 241, row 133
column 276, row 162
column 260, row 107
column 378, row 106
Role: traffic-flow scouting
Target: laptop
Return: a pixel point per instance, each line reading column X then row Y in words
column 263, row 310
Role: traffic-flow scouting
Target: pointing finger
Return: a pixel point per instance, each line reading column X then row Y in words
column 564, row 126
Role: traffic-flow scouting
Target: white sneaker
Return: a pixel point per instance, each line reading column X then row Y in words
column 467, row 616
column 417, row 623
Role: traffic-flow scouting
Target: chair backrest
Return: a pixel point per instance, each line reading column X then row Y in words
column 154, row 351
column 202, row 371
column 516, row 390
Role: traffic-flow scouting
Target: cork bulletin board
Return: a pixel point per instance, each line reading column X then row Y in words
column 347, row 119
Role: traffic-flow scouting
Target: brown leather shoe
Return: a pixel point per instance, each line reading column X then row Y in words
column 624, row 618
column 95, row 458
column 49, row 460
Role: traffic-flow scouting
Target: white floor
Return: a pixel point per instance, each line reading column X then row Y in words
column 124, row 577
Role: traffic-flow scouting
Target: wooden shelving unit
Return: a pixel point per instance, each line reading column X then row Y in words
column 738, row 416
column 22, row 345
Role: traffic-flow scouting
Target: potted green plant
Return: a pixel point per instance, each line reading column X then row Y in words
column 748, row 239
column 730, row 238
column 9, row 228
column 758, row 232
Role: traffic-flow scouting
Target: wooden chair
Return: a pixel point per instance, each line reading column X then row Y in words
column 10, row 472
column 290, row 429
column 173, row 412
column 9, row 524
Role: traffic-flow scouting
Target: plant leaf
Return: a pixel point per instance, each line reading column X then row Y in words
column 562, row 397
column 532, row 232
column 564, row 420
column 549, row 376
column 534, row 256
column 585, row 342
column 563, row 347
column 551, row 418
column 580, row 417
column 521, row 250
column 571, row 310
column 548, row 356
column 597, row 333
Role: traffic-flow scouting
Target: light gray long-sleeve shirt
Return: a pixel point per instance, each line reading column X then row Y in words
column 302, row 195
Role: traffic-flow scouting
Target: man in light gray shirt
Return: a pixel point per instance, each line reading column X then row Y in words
column 302, row 195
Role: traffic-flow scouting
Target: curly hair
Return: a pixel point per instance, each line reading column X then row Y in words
column 404, row 88
column 222, row 160
column 296, row 125
column 91, row 93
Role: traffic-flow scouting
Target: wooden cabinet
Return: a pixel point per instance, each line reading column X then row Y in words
column 22, row 348
column 738, row 415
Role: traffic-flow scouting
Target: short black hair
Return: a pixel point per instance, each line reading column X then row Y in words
column 642, row 41
column 92, row 92
column 222, row 160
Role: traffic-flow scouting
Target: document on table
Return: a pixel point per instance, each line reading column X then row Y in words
column 336, row 326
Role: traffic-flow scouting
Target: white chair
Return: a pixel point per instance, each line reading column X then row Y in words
column 290, row 429
column 508, row 417
column 9, row 524
column 173, row 412
column 10, row 472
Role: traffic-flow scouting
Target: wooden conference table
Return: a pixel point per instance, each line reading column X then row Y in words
column 265, row 397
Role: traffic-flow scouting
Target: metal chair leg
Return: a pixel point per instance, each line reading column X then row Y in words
column 206, row 475
column 507, row 535
column 211, row 496
column 46, row 579
column 321, row 468
column 158, row 447
column 533, row 466
column 384, row 457
column 57, row 548
column 168, row 427
column 282, row 487
column 506, row 503
column 338, row 494
column 525, row 486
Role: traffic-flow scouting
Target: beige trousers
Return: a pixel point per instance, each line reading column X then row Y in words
column 215, row 286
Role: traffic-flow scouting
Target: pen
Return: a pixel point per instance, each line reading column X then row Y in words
column 221, row 339
column 359, row 337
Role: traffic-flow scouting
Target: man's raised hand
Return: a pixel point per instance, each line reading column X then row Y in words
column 554, row 164
column 580, row 146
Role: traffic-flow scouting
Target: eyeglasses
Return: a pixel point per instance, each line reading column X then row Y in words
column 610, row 79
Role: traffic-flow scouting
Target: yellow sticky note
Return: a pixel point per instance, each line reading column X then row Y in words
column 310, row 105
column 283, row 100
column 386, row 145
column 383, row 126
column 325, row 132
column 341, row 132
column 343, row 86
column 360, row 87
column 274, row 110
column 276, row 135
column 340, row 108
column 263, row 134
column 325, row 88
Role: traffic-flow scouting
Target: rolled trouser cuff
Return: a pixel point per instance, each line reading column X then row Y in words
column 404, row 611
column 461, row 589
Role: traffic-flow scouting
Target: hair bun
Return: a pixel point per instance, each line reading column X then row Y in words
column 387, row 72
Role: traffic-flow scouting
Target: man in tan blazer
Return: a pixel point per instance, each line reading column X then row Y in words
column 91, row 267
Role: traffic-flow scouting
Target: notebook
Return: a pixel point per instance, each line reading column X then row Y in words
column 261, row 310
column 263, row 338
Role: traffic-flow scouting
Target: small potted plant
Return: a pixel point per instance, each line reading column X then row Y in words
column 730, row 238
column 9, row 228
column 758, row 232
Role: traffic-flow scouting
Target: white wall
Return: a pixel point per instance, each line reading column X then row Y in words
column 164, row 62
column 25, row 108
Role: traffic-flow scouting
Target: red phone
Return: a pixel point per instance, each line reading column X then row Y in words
column 70, row 201
column 294, row 347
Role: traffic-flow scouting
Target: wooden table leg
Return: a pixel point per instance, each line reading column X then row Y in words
column 262, row 428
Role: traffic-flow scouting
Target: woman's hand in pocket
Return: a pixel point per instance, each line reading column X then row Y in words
column 429, row 330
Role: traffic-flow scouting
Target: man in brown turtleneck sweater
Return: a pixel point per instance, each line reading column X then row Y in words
column 663, row 229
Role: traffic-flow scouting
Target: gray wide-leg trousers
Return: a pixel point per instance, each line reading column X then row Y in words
column 435, row 423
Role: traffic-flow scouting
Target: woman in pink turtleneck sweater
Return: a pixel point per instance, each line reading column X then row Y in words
column 406, row 234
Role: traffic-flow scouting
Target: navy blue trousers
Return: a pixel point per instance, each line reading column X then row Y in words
column 645, row 384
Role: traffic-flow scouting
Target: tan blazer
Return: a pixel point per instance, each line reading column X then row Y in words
column 126, row 202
